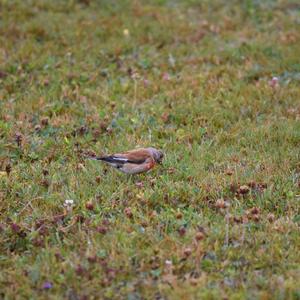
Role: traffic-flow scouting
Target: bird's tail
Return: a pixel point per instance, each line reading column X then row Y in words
column 110, row 159
column 93, row 157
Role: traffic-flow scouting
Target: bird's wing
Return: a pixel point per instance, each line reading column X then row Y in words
column 137, row 156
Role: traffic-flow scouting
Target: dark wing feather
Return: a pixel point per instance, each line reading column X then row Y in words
column 136, row 161
column 120, row 160
column 113, row 160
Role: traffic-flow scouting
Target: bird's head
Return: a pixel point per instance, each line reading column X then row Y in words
column 157, row 155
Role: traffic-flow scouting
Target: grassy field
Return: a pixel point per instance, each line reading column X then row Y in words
column 214, row 84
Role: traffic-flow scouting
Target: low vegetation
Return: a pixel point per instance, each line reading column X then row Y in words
column 214, row 84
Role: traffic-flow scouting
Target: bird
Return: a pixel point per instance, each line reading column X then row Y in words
column 134, row 161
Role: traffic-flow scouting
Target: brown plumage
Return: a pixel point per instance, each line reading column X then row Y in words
column 134, row 161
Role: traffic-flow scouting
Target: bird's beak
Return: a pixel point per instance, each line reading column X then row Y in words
column 159, row 162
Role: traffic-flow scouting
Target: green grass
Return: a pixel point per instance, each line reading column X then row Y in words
column 189, row 77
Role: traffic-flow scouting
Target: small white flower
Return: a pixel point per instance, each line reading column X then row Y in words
column 68, row 204
column 69, row 201
column 126, row 32
column 168, row 262
column 274, row 82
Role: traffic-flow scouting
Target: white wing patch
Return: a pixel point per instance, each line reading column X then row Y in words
column 120, row 158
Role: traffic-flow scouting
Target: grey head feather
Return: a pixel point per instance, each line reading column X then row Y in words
column 157, row 154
